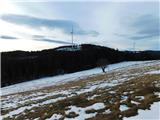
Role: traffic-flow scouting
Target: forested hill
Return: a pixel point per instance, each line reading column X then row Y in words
column 19, row 66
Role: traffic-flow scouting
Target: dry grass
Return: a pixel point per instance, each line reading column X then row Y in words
column 137, row 85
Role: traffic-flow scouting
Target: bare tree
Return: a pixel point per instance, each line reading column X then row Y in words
column 103, row 63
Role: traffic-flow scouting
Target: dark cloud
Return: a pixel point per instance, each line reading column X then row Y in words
column 33, row 22
column 38, row 36
column 146, row 26
column 45, row 39
column 7, row 37
column 53, row 41
column 139, row 37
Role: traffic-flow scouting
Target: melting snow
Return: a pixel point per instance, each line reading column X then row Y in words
column 154, row 72
column 96, row 106
column 14, row 101
column 112, row 92
column 123, row 107
column 22, row 109
column 134, row 102
column 131, row 92
column 92, row 97
column 55, row 117
column 107, row 111
column 157, row 93
column 124, row 98
column 82, row 115
column 153, row 114
column 139, row 97
column 125, row 93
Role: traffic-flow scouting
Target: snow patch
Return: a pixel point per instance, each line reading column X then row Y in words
column 55, row 117
column 157, row 93
column 124, row 98
column 153, row 72
column 96, row 106
column 139, row 97
column 92, row 97
column 152, row 114
column 125, row 93
column 82, row 115
column 131, row 92
column 123, row 107
column 22, row 109
column 112, row 92
column 107, row 111
column 134, row 102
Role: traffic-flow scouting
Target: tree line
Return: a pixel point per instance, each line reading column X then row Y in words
column 20, row 66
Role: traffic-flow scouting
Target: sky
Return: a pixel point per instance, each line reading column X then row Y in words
column 44, row 24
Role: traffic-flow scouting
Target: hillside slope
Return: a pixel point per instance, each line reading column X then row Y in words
column 55, row 80
column 114, row 95
column 62, row 60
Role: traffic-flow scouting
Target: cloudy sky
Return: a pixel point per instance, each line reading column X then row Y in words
column 43, row 24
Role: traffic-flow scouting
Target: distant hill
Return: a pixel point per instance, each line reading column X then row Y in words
column 20, row 66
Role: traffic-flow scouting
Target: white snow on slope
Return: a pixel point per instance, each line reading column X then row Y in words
column 15, row 101
column 153, row 114
column 49, row 81
column 22, row 109
column 81, row 112
column 154, row 72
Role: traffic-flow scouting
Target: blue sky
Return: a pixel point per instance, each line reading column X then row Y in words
column 46, row 24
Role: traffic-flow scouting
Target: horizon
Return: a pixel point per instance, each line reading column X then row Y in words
column 32, row 26
column 79, row 44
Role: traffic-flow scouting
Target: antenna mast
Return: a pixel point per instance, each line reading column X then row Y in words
column 72, row 36
column 134, row 45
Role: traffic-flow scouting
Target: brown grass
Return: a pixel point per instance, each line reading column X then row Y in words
column 141, row 85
